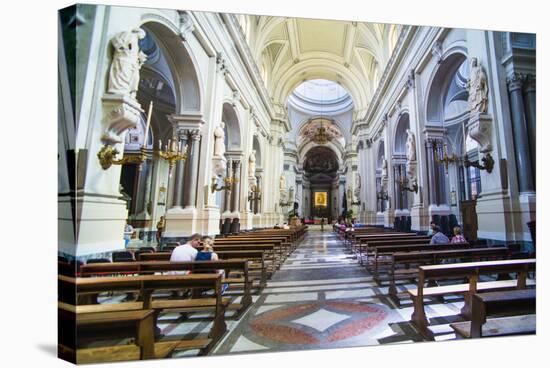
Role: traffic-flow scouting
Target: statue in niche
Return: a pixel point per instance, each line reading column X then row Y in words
column 357, row 190
column 411, row 146
column 252, row 164
column 127, row 61
column 282, row 182
column 219, row 140
column 477, row 88
column 384, row 168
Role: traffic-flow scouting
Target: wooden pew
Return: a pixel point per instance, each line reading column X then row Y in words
column 97, row 315
column 459, row 271
column 384, row 255
column 433, row 257
column 277, row 252
column 153, row 267
column 364, row 239
column 258, row 268
column 367, row 248
column 520, row 304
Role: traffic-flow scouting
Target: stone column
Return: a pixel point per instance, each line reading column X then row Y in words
column 179, row 176
column 227, row 193
column 531, row 115
column 193, row 169
column 431, row 170
column 236, row 187
column 519, row 126
column 256, row 202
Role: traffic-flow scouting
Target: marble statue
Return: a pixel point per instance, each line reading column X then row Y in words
column 252, row 163
column 357, row 190
column 127, row 61
column 282, row 182
column 384, row 168
column 410, row 146
column 477, row 88
column 219, row 140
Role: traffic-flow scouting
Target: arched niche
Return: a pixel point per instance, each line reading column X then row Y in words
column 447, row 96
column 258, row 151
column 380, row 155
column 399, row 147
column 232, row 128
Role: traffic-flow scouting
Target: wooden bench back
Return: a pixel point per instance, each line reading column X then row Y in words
column 150, row 267
column 385, row 249
column 436, row 255
column 500, row 303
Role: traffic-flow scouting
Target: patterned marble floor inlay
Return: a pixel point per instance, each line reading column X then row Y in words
column 322, row 298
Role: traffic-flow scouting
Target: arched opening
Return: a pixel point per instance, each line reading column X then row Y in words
column 381, row 174
column 172, row 87
column 399, row 161
column 232, row 128
column 447, row 107
column 321, row 170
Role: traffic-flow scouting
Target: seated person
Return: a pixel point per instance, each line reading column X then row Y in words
column 438, row 237
column 285, row 226
column 207, row 254
column 458, row 237
column 276, row 226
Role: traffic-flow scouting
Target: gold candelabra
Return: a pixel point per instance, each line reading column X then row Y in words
column 487, row 163
column 172, row 153
column 255, row 194
column 403, row 185
column 107, row 157
column 228, row 181
column 446, row 159
column 107, row 154
column 382, row 195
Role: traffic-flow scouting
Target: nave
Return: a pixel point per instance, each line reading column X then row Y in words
column 323, row 295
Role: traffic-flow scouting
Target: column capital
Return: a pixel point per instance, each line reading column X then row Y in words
column 530, row 83
column 186, row 121
column 515, row 81
column 194, row 134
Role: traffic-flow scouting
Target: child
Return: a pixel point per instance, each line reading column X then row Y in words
column 458, row 237
column 207, row 254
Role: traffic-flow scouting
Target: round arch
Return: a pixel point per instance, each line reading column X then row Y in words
column 321, row 68
column 180, row 61
column 439, row 83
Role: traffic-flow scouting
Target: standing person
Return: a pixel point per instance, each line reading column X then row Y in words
column 161, row 225
column 439, row 237
column 458, row 237
column 323, row 224
column 128, row 231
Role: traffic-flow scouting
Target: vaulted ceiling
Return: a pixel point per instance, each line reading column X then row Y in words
column 289, row 51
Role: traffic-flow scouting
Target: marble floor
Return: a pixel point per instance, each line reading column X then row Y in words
column 322, row 298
